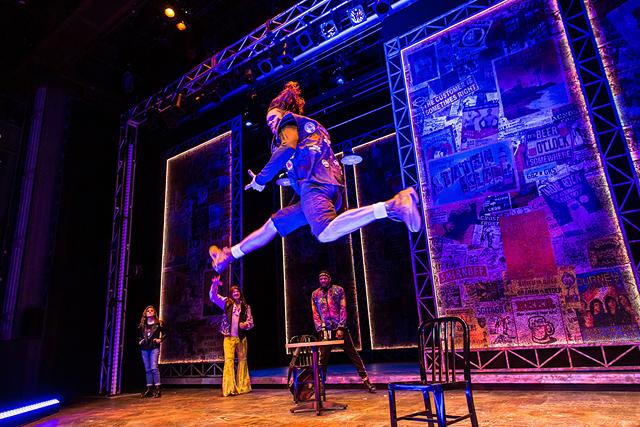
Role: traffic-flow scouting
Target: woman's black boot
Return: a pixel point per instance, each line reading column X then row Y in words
column 147, row 393
column 156, row 392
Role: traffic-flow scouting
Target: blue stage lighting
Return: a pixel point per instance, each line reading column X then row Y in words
column 24, row 413
column 329, row 29
column 356, row 14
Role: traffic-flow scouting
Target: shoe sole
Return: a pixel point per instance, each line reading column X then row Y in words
column 415, row 220
column 214, row 252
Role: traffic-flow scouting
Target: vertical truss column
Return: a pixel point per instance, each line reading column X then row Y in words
column 236, row 193
column 607, row 128
column 420, row 258
column 112, row 344
column 22, row 220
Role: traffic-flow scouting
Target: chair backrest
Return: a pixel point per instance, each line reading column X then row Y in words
column 439, row 341
column 303, row 355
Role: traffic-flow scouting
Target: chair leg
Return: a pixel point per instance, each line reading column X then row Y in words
column 392, row 407
column 324, row 386
column 295, row 386
column 427, row 403
column 438, row 400
column 471, row 406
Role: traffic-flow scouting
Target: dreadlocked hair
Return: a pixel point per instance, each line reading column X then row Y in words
column 289, row 99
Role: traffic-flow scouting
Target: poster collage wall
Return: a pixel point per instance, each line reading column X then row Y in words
column 524, row 241
column 197, row 213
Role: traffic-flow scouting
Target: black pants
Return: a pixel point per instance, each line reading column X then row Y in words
column 349, row 349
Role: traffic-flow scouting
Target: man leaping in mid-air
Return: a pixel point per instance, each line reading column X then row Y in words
column 304, row 148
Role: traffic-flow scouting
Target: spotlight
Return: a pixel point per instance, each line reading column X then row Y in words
column 338, row 76
column 169, row 12
column 329, row 29
column 356, row 14
column 181, row 26
column 304, row 40
column 382, row 7
column 283, row 180
column 248, row 123
column 350, row 158
column 265, row 66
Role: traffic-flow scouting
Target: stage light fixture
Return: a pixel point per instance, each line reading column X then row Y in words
column 265, row 66
column 356, row 14
column 169, row 12
column 338, row 76
column 304, row 40
column 181, row 26
column 329, row 29
column 382, row 7
column 283, row 180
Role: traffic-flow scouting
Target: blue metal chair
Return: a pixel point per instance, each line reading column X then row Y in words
column 302, row 361
column 438, row 340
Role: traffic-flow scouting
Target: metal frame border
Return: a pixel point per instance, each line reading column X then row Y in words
column 621, row 177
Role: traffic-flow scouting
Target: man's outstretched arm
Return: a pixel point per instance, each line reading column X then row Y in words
column 279, row 158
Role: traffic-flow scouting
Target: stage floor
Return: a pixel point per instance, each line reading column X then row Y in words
column 205, row 406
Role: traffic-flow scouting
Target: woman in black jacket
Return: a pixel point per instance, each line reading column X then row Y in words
column 151, row 334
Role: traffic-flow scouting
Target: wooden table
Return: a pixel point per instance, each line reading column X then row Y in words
column 317, row 404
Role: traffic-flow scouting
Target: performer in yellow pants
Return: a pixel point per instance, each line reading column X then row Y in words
column 235, row 382
column 235, row 323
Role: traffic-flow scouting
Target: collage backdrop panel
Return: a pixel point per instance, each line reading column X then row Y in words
column 303, row 258
column 616, row 26
column 391, row 296
column 524, row 240
column 197, row 212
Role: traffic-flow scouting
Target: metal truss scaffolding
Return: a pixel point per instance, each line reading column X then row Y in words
column 113, row 339
column 618, row 167
column 192, row 370
column 305, row 29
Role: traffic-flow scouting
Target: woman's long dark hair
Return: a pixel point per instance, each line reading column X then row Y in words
column 289, row 99
column 143, row 320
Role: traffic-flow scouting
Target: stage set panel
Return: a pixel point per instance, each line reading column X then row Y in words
column 197, row 212
column 616, row 26
column 391, row 303
column 524, row 239
column 303, row 258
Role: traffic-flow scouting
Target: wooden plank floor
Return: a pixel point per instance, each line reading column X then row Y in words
column 270, row 407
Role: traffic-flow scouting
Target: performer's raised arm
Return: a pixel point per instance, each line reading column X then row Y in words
column 214, row 296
